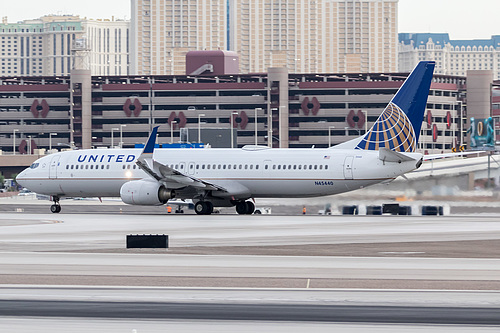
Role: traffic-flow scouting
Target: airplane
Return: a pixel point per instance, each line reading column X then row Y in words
column 236, row 177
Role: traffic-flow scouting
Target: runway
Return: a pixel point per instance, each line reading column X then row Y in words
column 373, row 272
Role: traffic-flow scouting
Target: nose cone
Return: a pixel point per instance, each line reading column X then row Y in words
column 21, row 178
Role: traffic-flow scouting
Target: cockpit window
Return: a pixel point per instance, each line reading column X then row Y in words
column 34, row 165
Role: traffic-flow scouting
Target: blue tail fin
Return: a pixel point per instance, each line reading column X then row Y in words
column 150, row 145
column 398, row 127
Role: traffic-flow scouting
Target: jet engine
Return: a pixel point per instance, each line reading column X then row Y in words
column 145, row 192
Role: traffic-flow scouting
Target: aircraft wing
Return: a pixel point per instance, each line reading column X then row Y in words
column 167, row 175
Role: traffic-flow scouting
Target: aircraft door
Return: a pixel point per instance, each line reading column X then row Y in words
column 54, row 162
column 191, row 168
column 348, row 167
column 182, row 167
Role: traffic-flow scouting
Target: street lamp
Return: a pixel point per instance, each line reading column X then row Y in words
column 366, row 120
column 121, row 135
column 29, row 144
column 199, row 126
column 50, row 140
column 14, row 141
column 232, row 128
column 329, row 135
column 172, row 124
column 112, row 138
column 256, row 110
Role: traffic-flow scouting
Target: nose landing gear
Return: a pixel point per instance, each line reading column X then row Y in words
column 56, row 207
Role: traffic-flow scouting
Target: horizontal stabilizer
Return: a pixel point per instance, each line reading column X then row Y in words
column 388, row 155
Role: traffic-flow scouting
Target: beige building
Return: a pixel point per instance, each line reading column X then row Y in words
column 45, row 46
column 452, row 57
column 302, row 35
column 315, row 36
column 163, row 31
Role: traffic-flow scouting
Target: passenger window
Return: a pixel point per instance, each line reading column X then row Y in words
column 295, row 167
column 208, row 166
column 257, row 167
column 128, row 166
column 213, row 166
column 203, row 166
column 76, row 167
column 274, row 167
column 300, row 167
column 86, row 167
column 321, row 167
column 279, row 167
column 102, row 166
column 326, row 167
column 251, row 166
column 229, row 166
column 310, row 167
column 241, row 166
column 224, row 167
column 71, row 166
column 315, row 167
column 197, row 166
column 67, row 166
column 135, row 166
column 107, row 166
column 289, row 167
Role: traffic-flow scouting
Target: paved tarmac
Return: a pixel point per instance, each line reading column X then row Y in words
column 74, row 251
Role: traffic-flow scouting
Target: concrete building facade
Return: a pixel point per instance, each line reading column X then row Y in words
column 46, row 46
column 277, row 108
column 453, row 57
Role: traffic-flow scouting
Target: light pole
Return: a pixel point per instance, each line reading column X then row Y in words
column 112, row 138
column 232, row 128
column 121, row 135
column 199, row 126
column 14, row 141
column 256, row 110
column 29, row 144
column 366, row 120
column 172, row 124
column 50, row 140
column 270, row 127
column 330, row 136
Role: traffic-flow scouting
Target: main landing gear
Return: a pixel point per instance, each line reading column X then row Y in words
column 56, row 207
column 245, row 207
column 204, row 208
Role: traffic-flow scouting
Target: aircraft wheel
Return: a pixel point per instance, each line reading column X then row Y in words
column 241, row 207
column 250, row 207
column 200, row 208
column 55, row 209
column 210, row 207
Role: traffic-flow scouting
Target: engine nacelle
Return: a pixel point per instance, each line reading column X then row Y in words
column 145, row 193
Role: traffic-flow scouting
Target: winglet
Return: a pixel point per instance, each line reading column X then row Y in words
column 150, row 145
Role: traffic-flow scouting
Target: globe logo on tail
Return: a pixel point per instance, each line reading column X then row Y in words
column 392, row 130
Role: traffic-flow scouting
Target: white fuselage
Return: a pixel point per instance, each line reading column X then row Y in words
column 264, row 172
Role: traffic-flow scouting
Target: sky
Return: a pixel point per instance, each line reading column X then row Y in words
column 462, row 19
